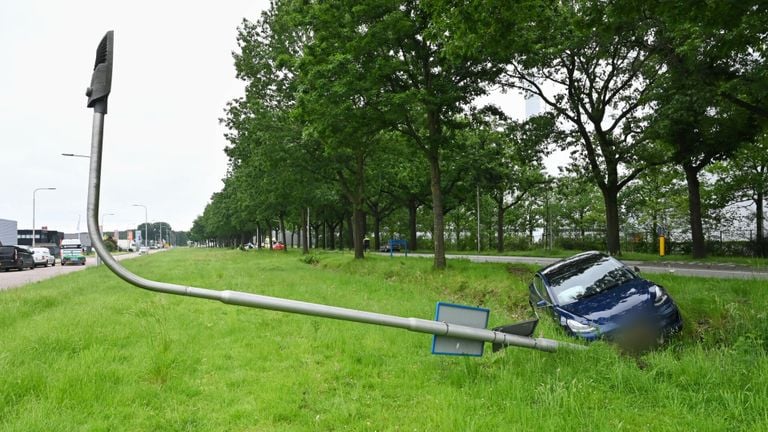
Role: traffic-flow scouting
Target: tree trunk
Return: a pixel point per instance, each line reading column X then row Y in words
column 500, row 210
column 282, row 230
column 412, row 234
column 376, row 227
column 316, row 227
column 350, row 233
column 613, row 239
column 358, row 231
column 698, row 248
column 759, row 217
column 304, row 232
column 438, row 230
column 332, row 236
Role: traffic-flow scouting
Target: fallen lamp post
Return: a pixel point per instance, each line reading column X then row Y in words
column 457, row 330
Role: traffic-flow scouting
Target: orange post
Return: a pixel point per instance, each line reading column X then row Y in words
column 661, row 245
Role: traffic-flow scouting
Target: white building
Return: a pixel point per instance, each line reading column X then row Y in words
column 532, row 106
column 8, row 232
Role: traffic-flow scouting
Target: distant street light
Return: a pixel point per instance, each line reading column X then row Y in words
column 75, row 155
column 33, row 212
column 146, row 222
column 102, row 222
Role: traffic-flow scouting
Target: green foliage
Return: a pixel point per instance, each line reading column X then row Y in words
column 374, row 106
column 110, row 243
column 311, row 259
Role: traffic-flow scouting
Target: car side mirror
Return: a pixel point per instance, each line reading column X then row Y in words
column 542, row 304
column 636, row 269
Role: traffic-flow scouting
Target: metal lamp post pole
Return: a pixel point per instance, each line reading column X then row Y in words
column 101, row 234
column 33, row 212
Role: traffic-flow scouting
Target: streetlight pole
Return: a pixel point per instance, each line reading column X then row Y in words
column 146, row 222
column 33, row 212
column 101, row 233
column 102, row 222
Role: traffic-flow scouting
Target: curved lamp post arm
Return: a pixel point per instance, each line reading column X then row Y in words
column 266, row 302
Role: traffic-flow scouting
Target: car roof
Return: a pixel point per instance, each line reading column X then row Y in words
column 553, row 271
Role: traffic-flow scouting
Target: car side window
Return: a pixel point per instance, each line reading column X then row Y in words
column 538, row 284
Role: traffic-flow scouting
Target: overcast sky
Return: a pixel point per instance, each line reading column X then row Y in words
column 173, row 75
column 163, row 144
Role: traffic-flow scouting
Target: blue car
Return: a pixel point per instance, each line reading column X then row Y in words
column 592, row 295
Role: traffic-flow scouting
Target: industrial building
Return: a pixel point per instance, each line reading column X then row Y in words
column 8, row 232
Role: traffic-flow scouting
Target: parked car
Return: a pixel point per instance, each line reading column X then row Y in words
column 15, row 257
column 278, row 246
column 72, row 253
column 144, row 250
column 43, row 257
column 385, row 247
column 592, row 295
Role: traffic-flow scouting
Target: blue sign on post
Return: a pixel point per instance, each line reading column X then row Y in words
column 399, row 244
column 461, row 315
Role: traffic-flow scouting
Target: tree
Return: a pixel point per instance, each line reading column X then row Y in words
column 600, row 72
column 275, row 168
column 507, row 158
column 745, row 178
column 110, row 243
column 422, row 88
column 691, row 117
column 341, row 78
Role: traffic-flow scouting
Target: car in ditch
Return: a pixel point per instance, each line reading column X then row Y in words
column 592, row 296
column 15, row 257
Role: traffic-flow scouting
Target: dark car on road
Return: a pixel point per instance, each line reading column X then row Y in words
column 592, row 295
column 14, row 257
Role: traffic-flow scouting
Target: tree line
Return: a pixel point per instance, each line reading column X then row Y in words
column 369, row 110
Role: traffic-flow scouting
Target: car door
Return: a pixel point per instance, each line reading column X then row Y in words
column 539, row 296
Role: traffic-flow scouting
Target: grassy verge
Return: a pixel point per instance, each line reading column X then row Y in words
column 86, row 351
column 632, row 256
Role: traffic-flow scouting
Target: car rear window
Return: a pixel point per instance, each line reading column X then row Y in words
column 586, row 277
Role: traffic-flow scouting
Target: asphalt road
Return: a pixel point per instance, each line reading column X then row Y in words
column 726, row 271
column 16, row 278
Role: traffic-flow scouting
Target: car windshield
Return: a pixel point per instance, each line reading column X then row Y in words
column 573, row 281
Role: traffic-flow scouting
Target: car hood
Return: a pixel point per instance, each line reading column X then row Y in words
column 619, row 304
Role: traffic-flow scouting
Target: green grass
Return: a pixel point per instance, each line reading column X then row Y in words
column 88, row 352
column 754, row 262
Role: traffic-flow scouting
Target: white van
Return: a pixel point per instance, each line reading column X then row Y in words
column 43, row 257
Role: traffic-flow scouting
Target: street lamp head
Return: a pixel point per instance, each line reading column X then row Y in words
column 75, row 155
column 34, row 192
